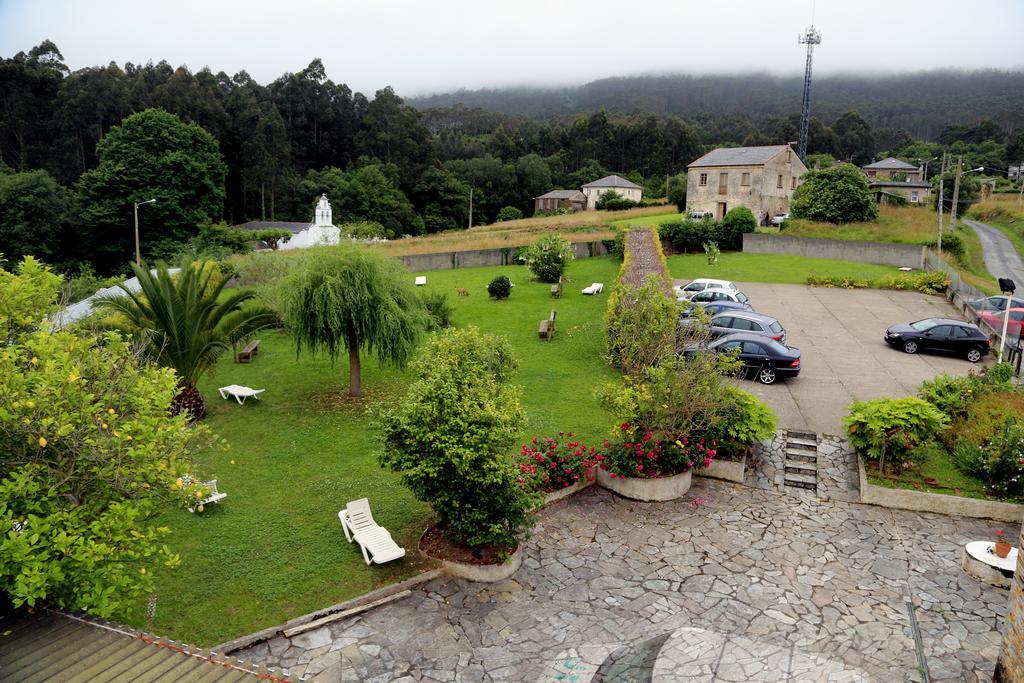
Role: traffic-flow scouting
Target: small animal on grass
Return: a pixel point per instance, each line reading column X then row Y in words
column 462, row 291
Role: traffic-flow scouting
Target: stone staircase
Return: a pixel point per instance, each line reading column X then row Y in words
column 801, row 464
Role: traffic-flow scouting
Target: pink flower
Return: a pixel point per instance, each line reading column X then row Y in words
column 707, row 462
column 535, row 440
column 613, row 475
column 624, row 426
column 599, row 456
column 639, row 468
column 647, row 436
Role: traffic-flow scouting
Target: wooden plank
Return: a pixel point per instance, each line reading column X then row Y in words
column 341, row 615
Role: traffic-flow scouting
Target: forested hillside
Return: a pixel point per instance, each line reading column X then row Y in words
column 922, row 103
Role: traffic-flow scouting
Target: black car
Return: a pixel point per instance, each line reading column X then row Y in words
column 767, row 358
column 940, row 334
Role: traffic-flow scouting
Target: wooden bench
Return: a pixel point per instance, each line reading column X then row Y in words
column 556, row 289
column 546, row 330
column 251, row 349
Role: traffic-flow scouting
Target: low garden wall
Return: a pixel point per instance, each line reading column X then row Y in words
column 900, row 255
column 728, row 470
column 505, row 256
column 922, row 501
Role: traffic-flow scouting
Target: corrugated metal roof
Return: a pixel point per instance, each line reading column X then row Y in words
column 739, row 156
column 891, row 164
column 80, row 309
column 614, row 181
column 49, row 646
column 563, row 194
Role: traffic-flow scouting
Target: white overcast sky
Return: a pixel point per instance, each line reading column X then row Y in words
column 425, row 46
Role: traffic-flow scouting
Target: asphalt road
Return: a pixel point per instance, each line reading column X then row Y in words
column 1001, row 259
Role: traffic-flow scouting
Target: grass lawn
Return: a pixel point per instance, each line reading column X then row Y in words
column 903, row 224
column 274, row 549
column 779, row 268
column 652, row 221
column 946, row 478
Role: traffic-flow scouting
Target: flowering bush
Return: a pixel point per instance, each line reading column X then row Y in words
column 550, row 463
column 642, row 455
column 1000, row 465
column 547, row 257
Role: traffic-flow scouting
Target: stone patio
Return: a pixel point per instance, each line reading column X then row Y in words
column 731, row 583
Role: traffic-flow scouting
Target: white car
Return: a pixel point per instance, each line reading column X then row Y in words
column 687, row 291
column 701, row 215
column 779, row 217
column 714, row 294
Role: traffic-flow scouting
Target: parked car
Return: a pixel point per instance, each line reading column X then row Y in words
column 713, row 308
column 689, row 289
column 995, row 320
column 766, row 358
column 714, row 295
column 730, row 322
column 779, row 217
column 995, row 303
column 701, row 215
column 940, row 334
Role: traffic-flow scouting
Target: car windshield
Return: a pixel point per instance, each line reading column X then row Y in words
column 922, row 325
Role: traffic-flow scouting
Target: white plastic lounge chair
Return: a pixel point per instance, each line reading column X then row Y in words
column 421, row 280
column 375, row 541
column 595, row 288
column 240, row 393
column 214, row 497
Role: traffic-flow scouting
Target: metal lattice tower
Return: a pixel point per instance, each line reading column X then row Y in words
column 811, row 38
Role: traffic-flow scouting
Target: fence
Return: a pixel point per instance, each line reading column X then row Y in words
column 505, row 256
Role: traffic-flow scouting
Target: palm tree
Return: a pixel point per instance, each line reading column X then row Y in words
column 186, row 322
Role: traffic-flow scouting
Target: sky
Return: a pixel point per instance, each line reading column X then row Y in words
column 422, row 47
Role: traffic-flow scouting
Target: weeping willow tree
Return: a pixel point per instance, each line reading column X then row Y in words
column 355, row 300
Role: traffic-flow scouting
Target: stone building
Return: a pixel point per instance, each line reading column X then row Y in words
column 892, row 169
column 1010, row 667
column 560, row 199
column 759, row 178
column 321, row 230
column 892, row 177
column 628, row 190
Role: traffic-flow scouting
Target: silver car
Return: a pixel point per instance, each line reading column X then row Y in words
column 730, row 322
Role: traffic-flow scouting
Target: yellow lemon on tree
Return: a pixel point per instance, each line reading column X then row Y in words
column 142, row 570
column 42, row 442
column 200, row 508
column 110, row 410
column 34, row 361
column 178, row 483
column 199, row 494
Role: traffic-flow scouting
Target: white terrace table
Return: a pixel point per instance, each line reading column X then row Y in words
column 981, row 562
column 240, row 393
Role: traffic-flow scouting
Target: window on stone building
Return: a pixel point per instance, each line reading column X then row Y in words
column 745, row 180
column 778, row 183
column 723, row 183
column 793, row 187
column 703, row 179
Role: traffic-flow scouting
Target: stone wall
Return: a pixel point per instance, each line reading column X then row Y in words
column 485, row 257
column 1010, row 668
column 846, row 250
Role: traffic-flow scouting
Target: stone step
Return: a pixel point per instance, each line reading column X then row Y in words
column 802, row 481
column 802, row 456
column 801, row 467
column 806, row 441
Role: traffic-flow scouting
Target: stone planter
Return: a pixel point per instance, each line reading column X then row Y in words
column 664, row 488
column 484, row 573
column 729, row 470
column 561, row 494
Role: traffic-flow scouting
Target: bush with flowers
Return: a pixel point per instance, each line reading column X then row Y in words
column 550, row 463
column 643, row 455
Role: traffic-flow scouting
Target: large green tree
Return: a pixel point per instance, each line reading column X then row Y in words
column 355, row 300
column 88, row 457
column 33, row 211
column 151, row 155
column 838, row 194
column 186, row 321
column 856, row 141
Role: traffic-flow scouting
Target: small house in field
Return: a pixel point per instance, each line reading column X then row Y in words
column 320, row 231
column 627, row 189
column 560, row 199
column 759, row 178
column 893, row 177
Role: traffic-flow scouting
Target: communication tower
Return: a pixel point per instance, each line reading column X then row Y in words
column 810, row 38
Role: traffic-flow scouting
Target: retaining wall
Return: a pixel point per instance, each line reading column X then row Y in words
column 846, row 250
column 505, row 256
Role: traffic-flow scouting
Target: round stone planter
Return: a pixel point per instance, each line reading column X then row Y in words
column 977, row 560
column 561, row 494
column 664, row 488
column 484, row 573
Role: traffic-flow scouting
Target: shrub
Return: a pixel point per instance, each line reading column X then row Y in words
column 746, row 420
column 613, row 201
column 838, row 194
column 932, row 282
column 952, row 244
column 550, row 463
column 547, row 257
column 985, row 418
column 738, row 221
column 640, row 326
column 365, row 230
column 85, row 284
column 509, row 213
column 500, row 287
column 712, row 252
column 954, row 395
column 889, row 428
column 642, row 456
column 450, row 436
column 1000, row 466
column 617, row 247
column 690, row 235
column 439, row 310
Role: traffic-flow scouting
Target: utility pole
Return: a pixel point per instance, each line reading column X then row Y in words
column 942, row 177
column 470, row 208
column 956, row 193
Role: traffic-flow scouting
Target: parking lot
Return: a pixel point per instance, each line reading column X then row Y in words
column 843, row 358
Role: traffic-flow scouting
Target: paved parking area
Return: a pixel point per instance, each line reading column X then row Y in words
column 839, row 333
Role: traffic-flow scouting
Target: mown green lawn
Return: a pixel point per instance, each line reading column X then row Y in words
column 779, row 268
column 652, row 221
column 274, row 549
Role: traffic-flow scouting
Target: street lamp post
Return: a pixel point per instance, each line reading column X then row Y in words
column 1007, row 287
column 138, row 253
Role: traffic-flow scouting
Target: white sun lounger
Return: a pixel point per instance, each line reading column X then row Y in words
column 375, row 541
column 240, row 393
column 595, row 288
column 421, row 280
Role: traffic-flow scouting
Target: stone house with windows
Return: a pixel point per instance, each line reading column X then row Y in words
column 892, row 177
column 628, row 190
column 759, row 178
column 560, row 199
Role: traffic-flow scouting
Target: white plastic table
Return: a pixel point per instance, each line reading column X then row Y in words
column 981, row 562
column 240, row 393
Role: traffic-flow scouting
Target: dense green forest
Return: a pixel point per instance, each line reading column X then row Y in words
column 77, row 149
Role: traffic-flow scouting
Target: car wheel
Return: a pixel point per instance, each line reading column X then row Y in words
column 766, row 376
column 974, row 355
column 910, row 346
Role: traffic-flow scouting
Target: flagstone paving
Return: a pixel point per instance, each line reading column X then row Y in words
column 731, row 583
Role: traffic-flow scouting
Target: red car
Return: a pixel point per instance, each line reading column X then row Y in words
column 995, row 320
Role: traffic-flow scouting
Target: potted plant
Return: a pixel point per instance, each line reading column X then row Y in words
column 1002, row 548
column 645, row 466
column 557, row 466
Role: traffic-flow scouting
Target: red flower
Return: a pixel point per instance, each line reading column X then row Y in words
column 599, row 456
column 607, row 444
column 639, row 468
column 613, row 475
column 624, row 426
column 535, row 440
column 647, row 436
column 707, row 462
